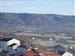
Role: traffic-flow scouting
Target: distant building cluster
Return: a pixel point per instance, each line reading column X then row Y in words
column 13, row 47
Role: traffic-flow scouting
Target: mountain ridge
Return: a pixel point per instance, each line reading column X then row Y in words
column 38, row 22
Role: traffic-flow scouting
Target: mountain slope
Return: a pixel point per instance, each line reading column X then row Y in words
column 37, row 22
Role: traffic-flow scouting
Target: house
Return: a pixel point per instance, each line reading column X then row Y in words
column 57, row 37
column 9, row 42
column 12, row 47
column 1, row 52
column 47, row 53
column 6, row 53
column 21, row 49
column 58, row 48
column 67, row 54
column 40, row 52
column 62, row 53
column 29, row 53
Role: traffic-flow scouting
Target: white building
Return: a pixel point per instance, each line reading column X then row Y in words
column 62, row 37
column 67, row 54
column 9, row 42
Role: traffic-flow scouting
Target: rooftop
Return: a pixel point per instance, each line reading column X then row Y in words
column 12, row 45
column 5, row 39
column 22, row 46
column 42, row 52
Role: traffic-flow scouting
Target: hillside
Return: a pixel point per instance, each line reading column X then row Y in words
column 37, row 22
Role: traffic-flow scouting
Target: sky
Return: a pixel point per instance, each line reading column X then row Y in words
column 64, row 7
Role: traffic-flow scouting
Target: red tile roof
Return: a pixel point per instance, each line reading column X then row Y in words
column 48, row 53
column 30, row 53
column 45, row 53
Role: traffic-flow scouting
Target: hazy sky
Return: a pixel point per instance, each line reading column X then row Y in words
column 65, row 7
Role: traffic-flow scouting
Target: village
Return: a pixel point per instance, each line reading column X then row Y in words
column 14, row 47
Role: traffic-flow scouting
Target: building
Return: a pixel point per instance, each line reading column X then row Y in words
column 29, row 53
column 21, row 49
column 40, row 52
column 1, row 52
column 47, row 53
column 62, row 37
column 9, row 42
column 67, row 54
column 58, row 48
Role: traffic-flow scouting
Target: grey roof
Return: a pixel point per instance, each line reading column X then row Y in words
column 5, row 39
